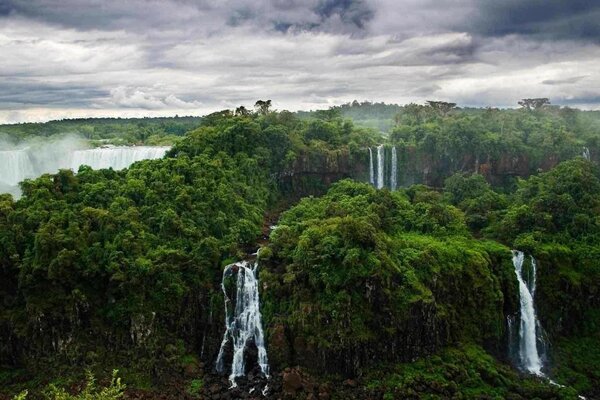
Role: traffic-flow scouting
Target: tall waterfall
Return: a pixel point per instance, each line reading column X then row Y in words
column 586, row 154
column 371, row 168
column 380, row 166
column 529, row 357
column 245, row 324
column 394, row 173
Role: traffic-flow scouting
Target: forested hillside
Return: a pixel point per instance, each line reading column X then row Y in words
column 118, row 131
column 403, row 291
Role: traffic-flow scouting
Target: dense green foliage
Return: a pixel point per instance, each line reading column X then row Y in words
column 103, row 263
column 499, row 144
column 366, row 269
column 561, row 205
column 466, row 372
column 105, row 268
column 113, row 391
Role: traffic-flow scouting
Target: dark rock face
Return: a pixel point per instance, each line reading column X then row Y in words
column 421, row 334
column 313, row 172
column 289, row 384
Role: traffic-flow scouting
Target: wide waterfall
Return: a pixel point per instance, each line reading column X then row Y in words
column 394, row 173
column 380, row 166
column 371, row 168
column 529, row 356
column 245, row 324
column 15, row 166
column 19, row 164
column 115, row 157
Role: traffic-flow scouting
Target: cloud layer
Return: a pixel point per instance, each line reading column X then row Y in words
column 163, row 57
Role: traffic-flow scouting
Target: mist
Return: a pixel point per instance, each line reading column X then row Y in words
column 34, row 157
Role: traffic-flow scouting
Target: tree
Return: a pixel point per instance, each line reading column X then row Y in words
column 534, row 104
column 441, row 107
column 242, row 111
column 262, row 107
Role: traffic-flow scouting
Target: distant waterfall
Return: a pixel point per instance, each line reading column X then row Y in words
column 115, row 157
column 529, row 357
column 371, row 168
column 15, row 166
column 19, row 164
column 394, row 173
column 586, row 154
column 246, row 323
column 380, row 166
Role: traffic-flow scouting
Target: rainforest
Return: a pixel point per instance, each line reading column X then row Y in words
column 367, row 251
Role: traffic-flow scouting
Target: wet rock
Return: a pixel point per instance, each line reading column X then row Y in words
column 350, row 383
column 292, row 382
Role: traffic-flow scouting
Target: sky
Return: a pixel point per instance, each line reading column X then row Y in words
column 91, row 58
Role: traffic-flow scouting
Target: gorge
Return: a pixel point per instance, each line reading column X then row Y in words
column 390, row 273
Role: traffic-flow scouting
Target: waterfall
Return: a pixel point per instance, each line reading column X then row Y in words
column 380, row 165
column 586, row 154
column 245, row 324
column 394, row 174
column 15, row 166
column 529, row 357
column 19, row 164
column 371, row 172
column 115, row 157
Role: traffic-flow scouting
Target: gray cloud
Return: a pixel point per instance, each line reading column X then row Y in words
column 152, row 57
column 563, row 81
column 542, row 19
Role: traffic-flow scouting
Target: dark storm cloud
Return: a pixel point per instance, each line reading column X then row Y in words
column 195, row 15
column 542, row 19
column 350, row 11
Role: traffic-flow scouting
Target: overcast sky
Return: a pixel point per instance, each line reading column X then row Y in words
column 77, row 58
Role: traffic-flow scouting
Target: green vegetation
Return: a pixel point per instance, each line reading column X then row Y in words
column 465, row 372
column 105, row 269
column 393, row 274
column 195, row 386
column 149, row 131
column 113, row 391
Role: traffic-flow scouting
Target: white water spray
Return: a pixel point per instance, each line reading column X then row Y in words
column 15, row 166
column 19, row 164
column 529, row 357
column 246, row 322
column 394, row 174
column 115, row 157
column 380, row 166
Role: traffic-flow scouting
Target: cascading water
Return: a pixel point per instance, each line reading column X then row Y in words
column 529, row 357
column 394, row 173
column 245, row 324
column 371, row 168
column 19, row 164
column 586, row 154
column 15, row 166
column 380, row 166
column 115, row 157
